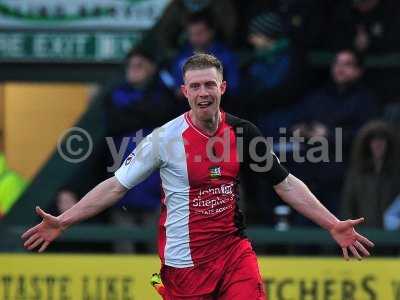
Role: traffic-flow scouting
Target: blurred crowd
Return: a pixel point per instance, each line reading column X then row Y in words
column 275, row 81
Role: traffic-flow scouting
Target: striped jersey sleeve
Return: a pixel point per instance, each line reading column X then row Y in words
column 141, row 162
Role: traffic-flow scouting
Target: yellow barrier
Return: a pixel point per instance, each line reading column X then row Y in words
column 112, row 277
column 331, row 278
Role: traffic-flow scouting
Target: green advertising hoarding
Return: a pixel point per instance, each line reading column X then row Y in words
column 74, row 30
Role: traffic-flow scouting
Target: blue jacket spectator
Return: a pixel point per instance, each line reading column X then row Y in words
column 391, row 218
column 201, row 38
column 143, row 100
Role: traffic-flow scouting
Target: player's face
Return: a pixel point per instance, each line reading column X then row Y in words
column 203, row 89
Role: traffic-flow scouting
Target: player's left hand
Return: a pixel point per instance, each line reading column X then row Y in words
column 349, row 239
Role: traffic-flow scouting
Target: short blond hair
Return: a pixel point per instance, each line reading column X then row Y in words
column 201, row 61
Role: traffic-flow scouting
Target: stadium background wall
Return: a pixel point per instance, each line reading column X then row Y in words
column 58, row 106
column 79, row 277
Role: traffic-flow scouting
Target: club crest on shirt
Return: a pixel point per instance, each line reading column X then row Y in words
column 129, row 159
column 215, row 172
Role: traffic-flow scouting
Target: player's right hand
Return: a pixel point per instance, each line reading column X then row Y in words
column 43, row 233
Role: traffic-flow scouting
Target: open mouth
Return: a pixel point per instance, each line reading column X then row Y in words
column 204, row 104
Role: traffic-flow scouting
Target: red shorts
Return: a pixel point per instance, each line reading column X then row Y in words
column 233, row 276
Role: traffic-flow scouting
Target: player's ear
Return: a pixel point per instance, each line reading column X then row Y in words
column 223, row 87
column 184, row 90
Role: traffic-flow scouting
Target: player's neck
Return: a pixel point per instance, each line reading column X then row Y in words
column 209, row 126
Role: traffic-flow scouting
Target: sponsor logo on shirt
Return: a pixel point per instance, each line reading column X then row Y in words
column 214, row 200
column 215, row 172
column 217, row 190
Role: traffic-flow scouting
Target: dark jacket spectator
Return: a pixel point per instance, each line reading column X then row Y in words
column 367, row 25
column 304, row 20
column 373, row 181
column 201, row 38
column 269, row 74
column 271, row 51
column 247, row 10
column 345, row 103
column 272, row 70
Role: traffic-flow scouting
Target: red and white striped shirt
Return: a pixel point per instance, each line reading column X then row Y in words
column 200, row 218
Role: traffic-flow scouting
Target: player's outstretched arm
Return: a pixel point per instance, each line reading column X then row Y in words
column 294, row 192
column 101, row 197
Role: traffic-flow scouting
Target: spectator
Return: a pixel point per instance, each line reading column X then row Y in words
column 246, row 11
column 345, row 102
column 271, row 49
column 201, row 38
column 169, row 31
column 143, row 94
column 368, row 25
column 304, row 20
column 269, row 82
column 373, row 181
column 11, row 187
column 271, row 79
column 272, row 71
column 65, row 199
